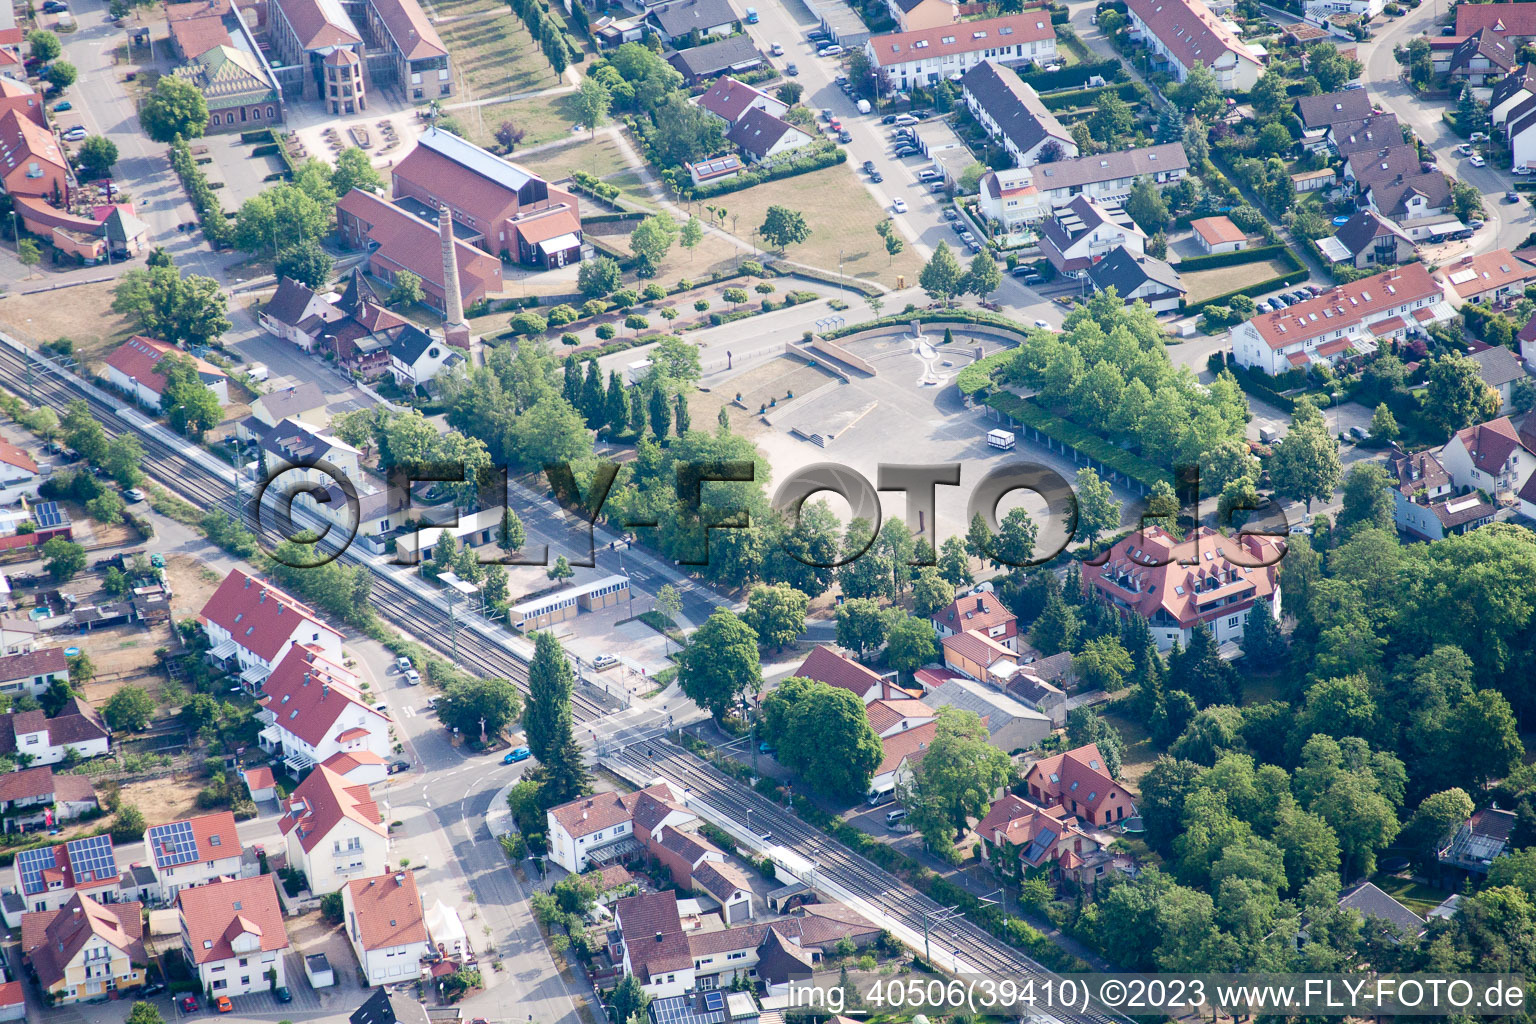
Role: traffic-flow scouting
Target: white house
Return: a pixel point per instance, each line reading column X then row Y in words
column 296, row 444
column 729, row 100
column 889, row 717
column 18, row 474
column 32, row 672
column 1219, row 234
column 254, row 624
column 1487, row 278
column 902, row 750
column 1353, row 317
column 588, row 830
column 76, row 728
column 1010, row 109
column 132, row 368
column 1319, row 11
column 1025, row 195
column 653, row 946
column 233, row 931
column 35, row 796
column 1510, row 92
column 924, row 56
column 193, row 851
column 416, row 357
column 47, row 877
column 677, row 19
column 762, row 138
column 295, row 311
column 334, row 831
column 1137, row 277
column 386, row 926
column 1084, row 231
column 302, row 403
column 1488, row 457
column 312, row 708
column 1186, row 32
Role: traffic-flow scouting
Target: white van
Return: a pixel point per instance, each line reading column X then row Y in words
column 1001, row 438
column 876, row 799
column 864, row 107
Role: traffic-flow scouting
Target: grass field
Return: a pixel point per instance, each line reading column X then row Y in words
column 494, row 56
column 1415, row 896
column 542, row 119
column 841, row 215
column 83, row 313
column 601, row 157
column 1203, row 284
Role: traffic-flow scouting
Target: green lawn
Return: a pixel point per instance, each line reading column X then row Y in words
column 543, row 119
column 1203, row 284
column 1419, row 898
column 493, row 54
column 601, row 157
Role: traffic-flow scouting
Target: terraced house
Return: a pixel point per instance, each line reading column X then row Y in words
column 925, row 56
column 1183, row 33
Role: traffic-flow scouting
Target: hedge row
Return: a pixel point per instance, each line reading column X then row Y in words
column 1074, row 77
column 613, row 218
column 825, row 157
column 1131, row 92
column 978, row 375
column 1230, row 259
column 827, row 277
column 1297, row 273
column 210, row 214
column 1084, row 440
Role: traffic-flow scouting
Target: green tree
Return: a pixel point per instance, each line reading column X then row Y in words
column 405, row 291
column 1438, row 816
column 1384, row 426
column 561, row 570
column 1112, row 119
column 942, row 277
column 956, row 779
column 1200, row 95
column 931, row 591
column 1098, row 513
column 720, row 663
column 1367, row 501
column 954, row 564
column 106, row 508
column 305, row 262
column 144, row 1013
column 650, row 242
column 1103, row 664
column 629, row 999
column 1147, row 207
column 511, row 535
column 598, row 277
column 191, row 309
column 189, row 406
column 63, row 559
column 592, row 103
column 547, row 715
column 1055, row 630
column 984, row 277
column 282, row 216
column 1015, row 542
column 691, row 234
column 1268, row 94
column 355, row 170
column 129, row 709
column 97, row 155
column 776, row 614
column 862, row 625
column 911, row 642
column 784, row 227
column 470, row 705
column 823, row 734
column 174, row 108
column 1305, row 464
column 1085, row 726
column 43, row 44
column 1455, row 395
column 29, row 252
column 121, row 460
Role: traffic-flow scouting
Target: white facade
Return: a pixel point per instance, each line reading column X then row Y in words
column 39, row 746
column 349, row 850
column 184, row 876
column 1186, row 33
column 386, row 961
column 1319, row 11
column 17, row 482
column 245, row 972
column 1464, row 474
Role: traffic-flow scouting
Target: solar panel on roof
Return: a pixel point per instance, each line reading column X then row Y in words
column 714, row 1001
column 173, row 844
column 32, row 864
column 46, row 514
column 91, row 859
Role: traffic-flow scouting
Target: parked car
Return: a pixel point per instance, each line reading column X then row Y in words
column 282, row 994
column 55, row 7
column 1511, row 197
column 899, row 205
column 189, row 1004
column 937, row 188
column 776, row 49
column 1043, row 325
column 151, row 990
column 1521, row 170
column 412, row 677
column 876, row 177
column 906, row 151
column 59, row 108
column 888, row 119
column 1476, row 160
column 869, row 167
column 830, row 51
column 75, row 134
column 134, row 495
column 973, row 245
column 395, row 768
column 1474, row 224
column 791, row 70
column 402, row 664
column 905, row 119
column 224, row 1004
column 517, row 754
column 751, row 15
column 604, row 661
column 967, row 237
column 157, row 560
column 845, row 136
column 1034, row 278
column 816, row 35
column 951, row 215
column 1465, row 149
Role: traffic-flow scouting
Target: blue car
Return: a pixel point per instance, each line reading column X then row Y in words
column 516, row 754
column 59, row 108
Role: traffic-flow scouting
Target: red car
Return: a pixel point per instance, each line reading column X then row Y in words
column 189, row 1004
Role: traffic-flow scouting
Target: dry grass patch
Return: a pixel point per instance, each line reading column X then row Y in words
column 83, row 313
column 169, row 798
column 492, row 51
column 1203, row 284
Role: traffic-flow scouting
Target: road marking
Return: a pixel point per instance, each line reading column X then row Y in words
column 408, row 711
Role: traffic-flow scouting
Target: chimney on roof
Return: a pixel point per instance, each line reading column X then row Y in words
column 325, row 690
column 981, row 604
column 400, row 878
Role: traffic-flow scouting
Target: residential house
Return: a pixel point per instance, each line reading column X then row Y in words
column 496, row 206
column 1020, row 839
column 889, row 717
column 1354, row 317
column 693, row 19
column 1370, row 903
column 1368, row 239
column 1026, row 195
column 606, row 826
column 1516, row 22
column 83, row 951
column 192, row 851
column 1034, row 691
column 718, row 168
column 334, row 831
column 1137, row 277
column 303, row 33
column 1078, row 781
column 1371, row 132
column 386, row 926
column 18, row 479
column 1082, row 232
column 36, row 797
column 133, row 368
column 417, row 357
column 1183, row 33
column 1011, row 110
column 237, row 86
column 22, row 98
column 1499, row 368
column 826, row 665
column 296, row 312
column 31, row 162
column 1488, row 457
column 1219, row 234
column 1367, row 167
column 1313, row 181
column 1424, row 506
column 763, row 138
column 77, row 729
column 924, row 56
column 1418, row 202
column 1481, row 59
column 730, row 100
column 1321, row 112
column 48, row 877
column 1488, row 278
column 1324, row 10
column 652, row 945
column 1510, row 92
column 979, row 610
column 1179, row 584
column 914, row 15
column 901, row 752
column 307, row 451
column 732, row 55
column 254, row 624
column 312, row 708
column 729, row 886
column 397, row 239
column 32, row 672
column 303, row 404
column 1011, row 726
column 1479, row 841
column 776, row 952
column 233, row 931
column 610, row 32
column 978, row 656
column 358, row 766
column 421, row 61
column 354, row 327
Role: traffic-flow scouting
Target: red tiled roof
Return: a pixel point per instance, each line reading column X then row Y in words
column 1190, row 30
column 974, row 611
column 12, row 994
column 1518, row 19
column 1380, row 329
column 1222, row 568
column 23, row 140
column 963, row 37
column 973, row 645
column 196, row 9
column 214, row 835
column 16, row 456
column 1079, row 776
column 345, row 762
column 1218, row 230
column 259, row 616
column 729, row 99
column 826, row 665
column 1329, row 348
column 74, row 789
column 911, row 743
column 196, row 36
column 653, row 934
column 139, row 356
column 1489, row 270
column 410, row 242
column 1490, row 444
column 259, row 778
column 309, row 693
column 409, row 27
column 388, row 909
column 215, row 915
column 883, row 714
column 933, row 678
column 50, row 939
column 1346, row 305
column 315, row 26
column 605, row 810
column 322, row 801
column 541, row 225
column 27, row 784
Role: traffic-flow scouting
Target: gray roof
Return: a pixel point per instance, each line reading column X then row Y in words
column 758, row 131
column 1483, row 43
column 968, row 695
column 467, row 154
column 1125, row 272
column 408, row 345
column 1363, row 228
column 1497, row 366
column 1129, row 163
column 293, row 401
column 1508, row 86
column 1384, row 164
column 680, row 17
column 1370, row 901
column 287, row 303
column 1013, row 104
column 1366, row 133
column 713, row 58
column 1390, row 196
column 1332, row 107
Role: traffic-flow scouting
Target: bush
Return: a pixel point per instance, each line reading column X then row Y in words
column 331, row 907
column 528, row 323
column 827, row 156
column 605, row 331
column 978, row 375
column 562, row 314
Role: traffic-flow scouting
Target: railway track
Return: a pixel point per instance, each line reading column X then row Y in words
column 978, row 950
column 397, row 602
